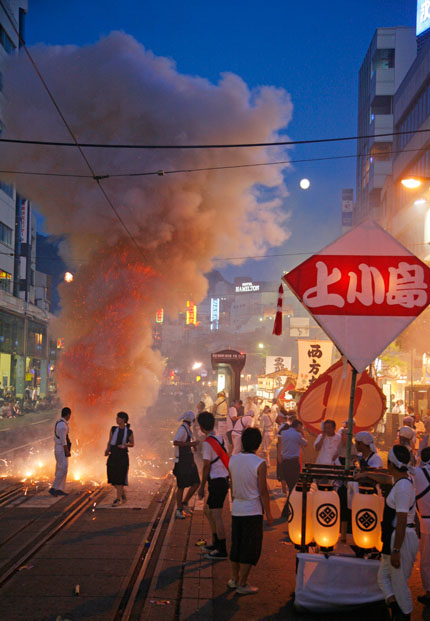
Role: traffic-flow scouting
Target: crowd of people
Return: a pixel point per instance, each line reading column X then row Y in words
column 12, row 406
column 232, row 445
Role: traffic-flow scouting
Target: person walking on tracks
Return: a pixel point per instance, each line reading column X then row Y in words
column 62, row 446
column 120, row 440
column 215, row 473
column 185, row 469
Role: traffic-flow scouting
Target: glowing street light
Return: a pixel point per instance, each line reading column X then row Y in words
column 305, row 184
column 197, row 365
column 260, row 345
column 411, row 183
column 68, row 277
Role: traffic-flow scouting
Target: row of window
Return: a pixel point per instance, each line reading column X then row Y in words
column 6, row 42
column 6, row 235
column 5, row 281
column 414, row 118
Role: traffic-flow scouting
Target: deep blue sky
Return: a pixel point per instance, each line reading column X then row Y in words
column 311, row 48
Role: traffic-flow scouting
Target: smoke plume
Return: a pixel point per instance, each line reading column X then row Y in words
column 117, row 92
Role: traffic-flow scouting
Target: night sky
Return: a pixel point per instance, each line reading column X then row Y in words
column 313, row 49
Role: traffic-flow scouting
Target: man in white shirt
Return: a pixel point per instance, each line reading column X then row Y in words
column 242, row 423
column 232, row 417
column 422, row 490
column 220, row 410
column 327, row 444
column 62, row 447
column 208, row 401
column 215, row 474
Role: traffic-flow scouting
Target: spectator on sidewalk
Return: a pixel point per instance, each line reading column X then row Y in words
column 291, row 443
column 422, row 491
column 327, row 444
column 267, row 424
column 242, row 423
column 62, row 446
column 232, row 417
column 215, row 473
column 250, row 498
column 185, row 469
column 220, row 411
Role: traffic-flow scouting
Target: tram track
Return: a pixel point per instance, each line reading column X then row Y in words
column 23, row 551
column 137, row 585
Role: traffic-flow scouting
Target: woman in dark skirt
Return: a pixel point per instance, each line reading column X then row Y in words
column 120, row 440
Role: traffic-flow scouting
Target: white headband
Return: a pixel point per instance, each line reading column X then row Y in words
column 399, row 464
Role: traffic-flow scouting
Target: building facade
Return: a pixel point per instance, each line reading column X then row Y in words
column 24, row 292
column 390, row 54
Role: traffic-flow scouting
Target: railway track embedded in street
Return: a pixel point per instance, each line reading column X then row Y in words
column 23, row 551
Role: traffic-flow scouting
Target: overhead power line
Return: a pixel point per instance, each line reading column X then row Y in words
column 75, row 143
column 240, row 145
column 161, row 173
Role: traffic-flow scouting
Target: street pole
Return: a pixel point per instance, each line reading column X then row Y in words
column 350, row 418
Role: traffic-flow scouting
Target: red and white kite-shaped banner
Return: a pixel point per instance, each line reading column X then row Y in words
column 364, row 289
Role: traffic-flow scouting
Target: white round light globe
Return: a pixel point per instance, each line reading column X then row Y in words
column 305, row 184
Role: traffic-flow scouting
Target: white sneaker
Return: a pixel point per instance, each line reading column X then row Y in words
column 179, row 515
column 247, row 590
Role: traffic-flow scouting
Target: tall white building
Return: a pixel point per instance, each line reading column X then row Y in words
column 390, row 54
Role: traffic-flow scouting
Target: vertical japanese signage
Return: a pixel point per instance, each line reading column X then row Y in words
column 214, row 313
column 364, row 289
column 24, row 221
column 314, row 358
column 191, row 314
column 423, row 16
column 159, row 315
column 347, row 209
column 277, row 363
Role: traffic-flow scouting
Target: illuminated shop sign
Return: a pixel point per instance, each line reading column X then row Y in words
column 214, row 313
column 159, row 315
column 191, row 313
column 247, row 287
column 423, row 16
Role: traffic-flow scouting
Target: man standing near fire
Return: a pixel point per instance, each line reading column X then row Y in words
column 62, row 446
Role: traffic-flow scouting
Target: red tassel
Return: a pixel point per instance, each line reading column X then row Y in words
column 277, row 326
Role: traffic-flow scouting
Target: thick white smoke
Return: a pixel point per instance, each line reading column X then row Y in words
column 117, row 92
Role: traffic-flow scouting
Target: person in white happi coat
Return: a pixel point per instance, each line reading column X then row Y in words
column 422, row 490
column 62, row 447
column 399, row 538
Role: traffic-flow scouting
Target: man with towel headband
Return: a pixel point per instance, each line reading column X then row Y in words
column 185, row 469
column 369, row 455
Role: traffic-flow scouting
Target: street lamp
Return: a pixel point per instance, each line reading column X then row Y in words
column 260, row 345
column 412, row 183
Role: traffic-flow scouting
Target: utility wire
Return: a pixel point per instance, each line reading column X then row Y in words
column 244, row 145
column 161, row 173
column 75, row 142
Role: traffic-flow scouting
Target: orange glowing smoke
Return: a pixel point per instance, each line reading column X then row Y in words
column 108, row 364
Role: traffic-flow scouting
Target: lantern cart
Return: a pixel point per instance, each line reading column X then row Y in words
column 328, row 580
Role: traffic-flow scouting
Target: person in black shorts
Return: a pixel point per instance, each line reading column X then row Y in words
column 185, row 469
column 215, row 473
column 250, row 498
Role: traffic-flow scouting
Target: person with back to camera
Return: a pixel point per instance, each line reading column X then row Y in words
column 185, row 469
column 120, row 440
column 250, row 497
column 399, row 538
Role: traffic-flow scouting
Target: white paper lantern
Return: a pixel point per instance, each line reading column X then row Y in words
column 295, row 516
column 325, row 516
column 366, row 519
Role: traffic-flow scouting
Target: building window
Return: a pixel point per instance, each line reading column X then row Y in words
column 6, row 41
column 383, row 59
column 5, row 281
column 6, row 235
column 381, row 151
column 7, row 188
column 382, row 104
